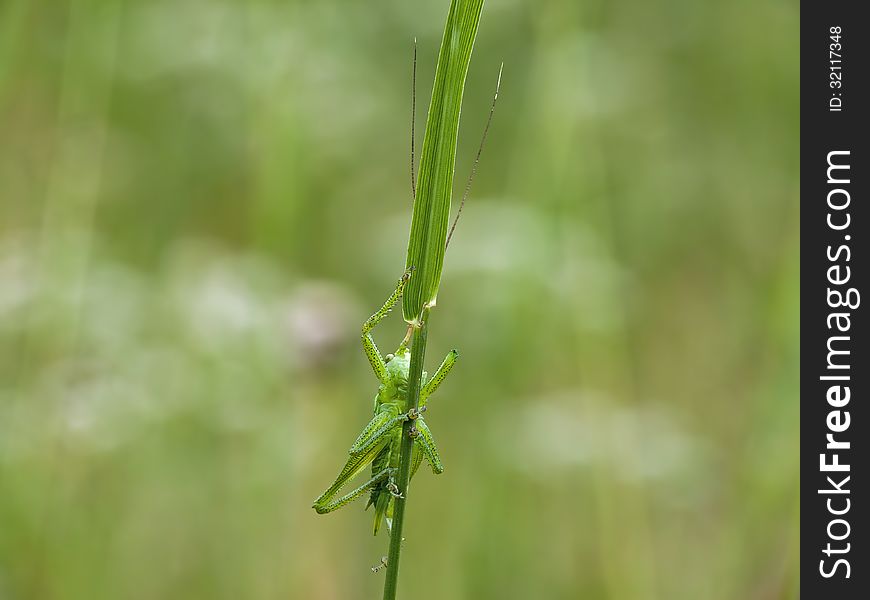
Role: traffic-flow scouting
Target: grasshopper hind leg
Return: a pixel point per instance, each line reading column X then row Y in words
column 350, row 497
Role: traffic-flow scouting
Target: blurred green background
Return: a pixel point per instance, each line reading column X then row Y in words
column 202, row 200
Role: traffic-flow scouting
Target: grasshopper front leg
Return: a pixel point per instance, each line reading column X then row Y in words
column 371, row 349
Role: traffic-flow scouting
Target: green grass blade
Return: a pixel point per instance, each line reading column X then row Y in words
column 437, row 159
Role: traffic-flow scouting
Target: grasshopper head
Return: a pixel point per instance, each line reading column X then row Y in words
column 398, row 365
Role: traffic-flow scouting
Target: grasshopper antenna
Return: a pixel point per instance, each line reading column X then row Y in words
column 413, row 119
column 476, row 158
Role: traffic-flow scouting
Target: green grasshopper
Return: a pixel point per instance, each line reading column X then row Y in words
column 379, row 442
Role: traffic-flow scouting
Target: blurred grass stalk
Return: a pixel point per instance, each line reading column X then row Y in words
column 426, row 245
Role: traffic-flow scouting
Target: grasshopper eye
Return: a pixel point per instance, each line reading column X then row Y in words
column 389, row 357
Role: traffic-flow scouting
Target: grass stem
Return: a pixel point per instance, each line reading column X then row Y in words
column 415, row 377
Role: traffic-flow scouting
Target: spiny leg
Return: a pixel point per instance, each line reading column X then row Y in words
column 424, row 439
column 388, row 305
column 380, row 434
column 371, row 350
column 354, row 465
column 372, row 430
column 432, row 384
column 348, row 498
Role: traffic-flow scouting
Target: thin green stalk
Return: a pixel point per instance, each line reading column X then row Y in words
column 429, row 223
column 415, row 376
column 426, row 243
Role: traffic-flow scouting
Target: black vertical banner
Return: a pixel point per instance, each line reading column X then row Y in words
column 835, row 222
